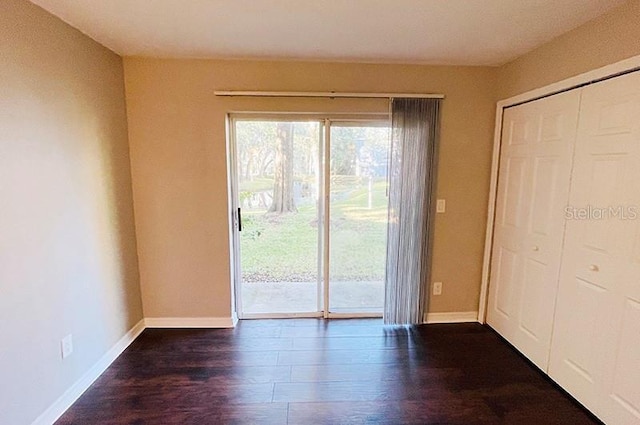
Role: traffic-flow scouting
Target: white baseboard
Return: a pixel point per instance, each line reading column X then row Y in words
column 453, row 317
column 55, row 411
column 69, row 397
column 190, row 322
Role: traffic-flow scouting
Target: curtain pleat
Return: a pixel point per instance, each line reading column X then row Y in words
column 412, row 179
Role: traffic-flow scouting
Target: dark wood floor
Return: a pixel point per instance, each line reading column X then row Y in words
column 307, row 371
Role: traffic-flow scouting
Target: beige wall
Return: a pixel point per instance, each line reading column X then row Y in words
column 605, row 40
column 68, row 260
column 178, row 153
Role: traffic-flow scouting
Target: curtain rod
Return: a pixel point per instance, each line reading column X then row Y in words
column 327, row 94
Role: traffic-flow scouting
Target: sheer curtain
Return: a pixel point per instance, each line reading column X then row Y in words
column 412, row 178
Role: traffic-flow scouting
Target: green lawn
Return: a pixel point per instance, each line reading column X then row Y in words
column 285, row 247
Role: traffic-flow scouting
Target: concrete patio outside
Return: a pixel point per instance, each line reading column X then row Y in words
column 301, row 297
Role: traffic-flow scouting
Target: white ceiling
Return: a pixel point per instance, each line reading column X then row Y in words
column 460, row 32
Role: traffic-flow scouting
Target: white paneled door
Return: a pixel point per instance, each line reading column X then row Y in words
column 535, row 167
column 596, row 342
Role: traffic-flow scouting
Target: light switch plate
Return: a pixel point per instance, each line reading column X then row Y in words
column 67, row 346
column 441, row 206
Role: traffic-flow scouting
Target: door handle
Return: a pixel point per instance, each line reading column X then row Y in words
column 239, row 219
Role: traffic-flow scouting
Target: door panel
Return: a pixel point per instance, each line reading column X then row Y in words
column 278, row 177
column 533, row 186
column 596, row 343
column 358, row 212
column 625, row 396
column 531, row 303
column 506, row 273
column 516, row 173
column 545, row 172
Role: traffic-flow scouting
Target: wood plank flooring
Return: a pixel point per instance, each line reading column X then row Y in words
column 308, row 371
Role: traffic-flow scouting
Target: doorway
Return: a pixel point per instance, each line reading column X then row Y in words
column 310, row 209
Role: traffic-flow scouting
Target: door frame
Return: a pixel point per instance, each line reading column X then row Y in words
column 610, row 71
column 325, row 120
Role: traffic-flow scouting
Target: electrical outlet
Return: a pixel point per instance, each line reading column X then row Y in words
column 441, row 205
column 67, row 346
column 437, row 288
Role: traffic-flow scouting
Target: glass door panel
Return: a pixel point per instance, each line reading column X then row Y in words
column 358, row 211
column 278, row 178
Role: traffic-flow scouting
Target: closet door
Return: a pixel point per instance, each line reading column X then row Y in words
column 535, row 166
column 596, row 342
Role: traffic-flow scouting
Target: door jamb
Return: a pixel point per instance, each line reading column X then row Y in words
column 326, row 218
column 234, row 248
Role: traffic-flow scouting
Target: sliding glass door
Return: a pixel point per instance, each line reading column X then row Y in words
column 277, row 176
column 310, row 214
column 358, row 212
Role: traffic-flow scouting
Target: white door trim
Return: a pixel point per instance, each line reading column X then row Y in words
column 612, row 70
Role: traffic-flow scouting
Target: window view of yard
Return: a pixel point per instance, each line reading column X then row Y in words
column 358, row 218
column 279, row 192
